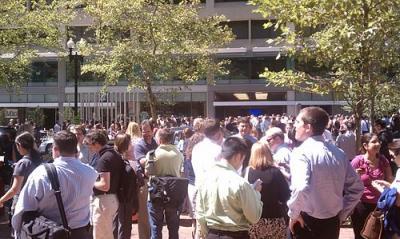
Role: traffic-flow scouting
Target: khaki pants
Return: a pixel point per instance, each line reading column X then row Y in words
column 103, row 209
column 143, row 221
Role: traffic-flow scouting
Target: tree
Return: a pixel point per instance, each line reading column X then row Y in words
column 37, row 116
column 149, row 41
column 27, row 27
column 353, row 45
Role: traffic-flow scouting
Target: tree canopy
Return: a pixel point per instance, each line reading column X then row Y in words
column 27, row 27
column 353, row 47
column 149, row 41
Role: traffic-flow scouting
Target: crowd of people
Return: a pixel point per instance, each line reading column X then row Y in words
column 268, row 176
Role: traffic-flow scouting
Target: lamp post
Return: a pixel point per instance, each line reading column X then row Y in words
column 77, row 59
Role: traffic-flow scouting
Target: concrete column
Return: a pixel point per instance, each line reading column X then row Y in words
column 62, row 79
column 210, row 4
column 291, row 97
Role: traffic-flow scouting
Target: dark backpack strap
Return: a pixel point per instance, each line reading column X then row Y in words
column 55, row 184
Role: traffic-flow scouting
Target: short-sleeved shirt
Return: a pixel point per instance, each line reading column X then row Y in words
column 24, row 167
column 370, row 194
column 168, row 161
column 141, row 148
column 109, row 161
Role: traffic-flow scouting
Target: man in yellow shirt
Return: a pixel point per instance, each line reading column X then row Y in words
column 227, row 204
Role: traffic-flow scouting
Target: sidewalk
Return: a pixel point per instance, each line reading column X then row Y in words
column 184, row 230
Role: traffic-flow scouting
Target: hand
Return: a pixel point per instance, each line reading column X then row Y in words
column 380, row 185
column 257, row 185
column 360, row 171
column 293, row 222
column 1, row 205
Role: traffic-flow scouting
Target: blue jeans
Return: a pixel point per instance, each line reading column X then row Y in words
column 156, row 219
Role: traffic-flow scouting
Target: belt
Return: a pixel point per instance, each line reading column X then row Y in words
column 228, row 233
column 103, row 193
column 87, row 227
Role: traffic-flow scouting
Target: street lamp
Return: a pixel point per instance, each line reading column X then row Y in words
column 77, row 59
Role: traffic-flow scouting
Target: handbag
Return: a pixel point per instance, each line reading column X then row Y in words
column 373, row 226
column 36, row 226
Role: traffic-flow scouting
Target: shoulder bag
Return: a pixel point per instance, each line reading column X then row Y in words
column 36, row 226
column 373, row 227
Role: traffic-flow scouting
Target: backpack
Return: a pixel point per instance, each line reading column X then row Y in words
column 128, row 187
column 168, row 190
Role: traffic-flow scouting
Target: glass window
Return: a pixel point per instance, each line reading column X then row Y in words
column 183, row 97
column 198, row 96
column 303, row 96
column 238, row 68
column 259, row 32
column 51, row 98
column 321, row 97
column 239, row 28
column 36, row 98
column 21, row 98
column 258, row 65
column 4, row 98
column 44, row 71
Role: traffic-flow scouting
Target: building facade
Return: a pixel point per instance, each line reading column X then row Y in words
column 241, row 92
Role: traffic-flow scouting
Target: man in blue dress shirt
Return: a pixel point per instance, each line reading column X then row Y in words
column 76, row 185
column 325, row 188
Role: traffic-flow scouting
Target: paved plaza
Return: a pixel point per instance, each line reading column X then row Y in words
column 184, row 230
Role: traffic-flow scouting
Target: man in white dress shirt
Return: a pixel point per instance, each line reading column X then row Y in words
column 325, row 188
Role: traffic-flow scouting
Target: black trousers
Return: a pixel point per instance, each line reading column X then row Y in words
column 81, row 233
column 218, row 234
column 317, row 228
column 359, row 216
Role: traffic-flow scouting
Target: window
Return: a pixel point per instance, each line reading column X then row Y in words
column 36, row 98
column 239, row 28
column 259, row 32
column 258, row 65
column 239, row 68
column 46, row 71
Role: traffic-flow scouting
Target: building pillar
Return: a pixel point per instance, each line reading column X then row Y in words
column 210, row 3
column 291, row 98
column 62, row 81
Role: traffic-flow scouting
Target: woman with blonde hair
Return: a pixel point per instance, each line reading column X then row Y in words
column 133, row 131
column 274, row 194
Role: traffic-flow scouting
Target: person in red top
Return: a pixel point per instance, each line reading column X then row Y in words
column 371, row 166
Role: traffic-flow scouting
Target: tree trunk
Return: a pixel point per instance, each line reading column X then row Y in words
column 151, row 98
column 358, row 114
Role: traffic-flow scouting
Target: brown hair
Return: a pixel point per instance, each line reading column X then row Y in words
column 365, row 138
column 187, row 133
column 122, row 142
column 165, row 136
column 261, row 156
column 317, row 118
column 66, row 142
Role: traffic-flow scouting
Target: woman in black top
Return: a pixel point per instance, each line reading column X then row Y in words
column 274, row 194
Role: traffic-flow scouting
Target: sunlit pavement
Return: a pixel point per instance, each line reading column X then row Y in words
column 184, row 230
